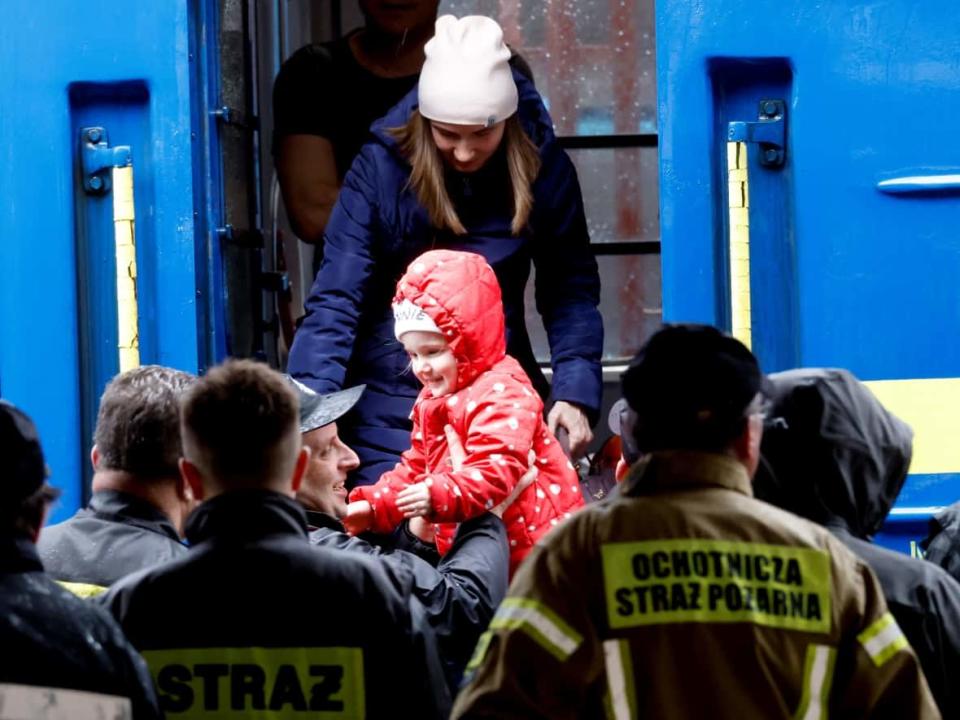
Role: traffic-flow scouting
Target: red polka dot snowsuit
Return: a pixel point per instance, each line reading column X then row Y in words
column 495, row 412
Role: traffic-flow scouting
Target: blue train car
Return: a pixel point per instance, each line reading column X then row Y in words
column 810, row 201
column 784, row 170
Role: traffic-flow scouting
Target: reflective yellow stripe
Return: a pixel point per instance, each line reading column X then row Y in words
column 622, row 696
column 817, row 678
column 932, row 408
column 128, row 334
column 882, row 640
column 739, row 243
column 539, row 622
column 84, row 590
column 51, row 703
column 480, row 651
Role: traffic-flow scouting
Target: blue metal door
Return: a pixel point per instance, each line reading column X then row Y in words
column 105, row 73
column 845, row 249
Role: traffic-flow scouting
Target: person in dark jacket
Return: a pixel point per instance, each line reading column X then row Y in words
column 253, row 618
column 467, row 161
column 461, row 593
column 833, row 454
column 135, row 517
column 942, row 544
column 52, row 644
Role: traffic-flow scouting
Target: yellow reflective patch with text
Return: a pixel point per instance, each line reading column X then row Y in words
column 716, row 581
column 257, row 682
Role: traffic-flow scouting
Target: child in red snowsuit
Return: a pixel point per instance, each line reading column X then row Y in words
column 449, row 316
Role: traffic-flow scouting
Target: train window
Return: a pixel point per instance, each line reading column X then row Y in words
column 594, row 64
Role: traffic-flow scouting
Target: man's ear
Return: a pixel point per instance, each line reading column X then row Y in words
column 94, row 457
column 184, row 491
column 747, row 446
column 191, row 475
column 300, row 469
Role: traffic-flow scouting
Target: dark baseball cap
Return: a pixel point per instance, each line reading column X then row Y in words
column 22, row 469
column 317, row 410
column 691, row 379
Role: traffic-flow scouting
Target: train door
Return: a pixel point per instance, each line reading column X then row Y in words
column 593, row 63
column 129, row 214
column 810, row 199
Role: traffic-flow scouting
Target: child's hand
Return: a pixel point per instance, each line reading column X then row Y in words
column 359, row 517
column 414, row 500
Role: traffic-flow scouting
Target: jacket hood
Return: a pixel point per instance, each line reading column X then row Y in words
column 831, row 452
column 533, row 115
column 460, row 293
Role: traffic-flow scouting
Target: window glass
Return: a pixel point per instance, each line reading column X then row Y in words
column 629, row 304
column 594, row 64
column 593, row 60
column 619, row 188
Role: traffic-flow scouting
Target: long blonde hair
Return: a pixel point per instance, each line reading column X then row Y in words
column 427, row 179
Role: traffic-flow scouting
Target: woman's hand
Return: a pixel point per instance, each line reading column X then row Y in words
column 572, row 419
column 359, row 517
column 414, row 500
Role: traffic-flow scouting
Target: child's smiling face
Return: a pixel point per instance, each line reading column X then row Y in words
column 432, row 361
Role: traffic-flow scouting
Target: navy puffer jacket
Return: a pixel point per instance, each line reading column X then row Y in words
column 378, row 226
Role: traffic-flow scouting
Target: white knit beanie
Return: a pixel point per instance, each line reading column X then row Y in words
column 407, row 317
column 466, row 78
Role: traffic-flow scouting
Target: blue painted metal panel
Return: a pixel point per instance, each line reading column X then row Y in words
column 64, row 66
column 847, row 269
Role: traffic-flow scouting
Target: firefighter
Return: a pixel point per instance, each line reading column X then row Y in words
column 253, row 620
column 52, row 644
column 135, row 517
column 461, row 593
column 684, row 596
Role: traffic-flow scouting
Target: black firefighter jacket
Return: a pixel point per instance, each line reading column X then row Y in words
column 253, row 621
column 52, row 639
column 833, row 454
column 115, row 535
column 459, row 596
column 942, row 544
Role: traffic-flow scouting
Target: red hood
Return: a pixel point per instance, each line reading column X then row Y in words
column 460, row 293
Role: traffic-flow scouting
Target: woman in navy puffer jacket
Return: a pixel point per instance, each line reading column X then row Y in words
column 468, row 161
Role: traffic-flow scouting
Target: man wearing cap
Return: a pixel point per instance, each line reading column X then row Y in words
column 253, row 621
column 684, row 596
column 461, row 593
column 55, row 649
column 139, row 503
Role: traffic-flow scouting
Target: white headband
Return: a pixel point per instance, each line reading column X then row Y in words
column 408, row 317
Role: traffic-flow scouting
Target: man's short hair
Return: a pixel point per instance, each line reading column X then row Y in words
column 691, row 387
column 138, row 424
column 240, row 423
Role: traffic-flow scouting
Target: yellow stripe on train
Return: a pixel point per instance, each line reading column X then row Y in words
column 932, row 408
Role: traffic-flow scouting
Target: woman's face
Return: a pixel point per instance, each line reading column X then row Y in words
column 466, row 148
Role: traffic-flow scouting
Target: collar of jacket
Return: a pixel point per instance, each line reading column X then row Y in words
column 317, row 520
column 671, row 470
column 245, row 515
column 18, row 554
column 115, row 506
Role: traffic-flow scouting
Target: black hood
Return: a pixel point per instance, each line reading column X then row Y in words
column 831, row 452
